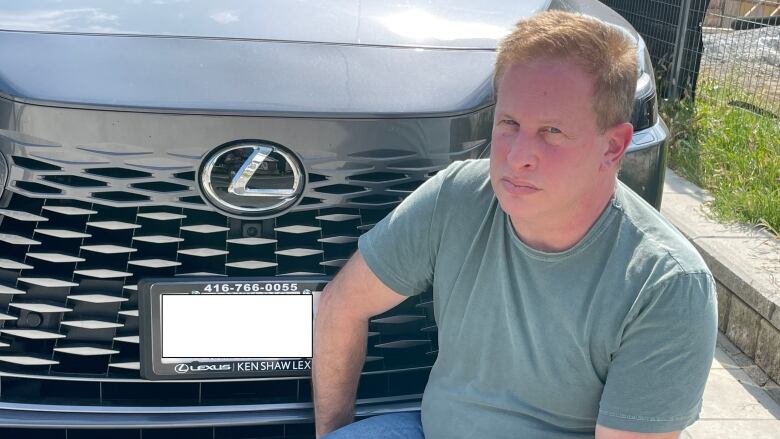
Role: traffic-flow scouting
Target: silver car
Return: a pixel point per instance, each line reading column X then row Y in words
column 164, row 161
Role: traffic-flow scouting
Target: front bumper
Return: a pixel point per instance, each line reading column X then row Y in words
column 85, row 417
column 644, row 164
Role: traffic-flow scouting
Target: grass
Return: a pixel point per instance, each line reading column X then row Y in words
column 731, row 151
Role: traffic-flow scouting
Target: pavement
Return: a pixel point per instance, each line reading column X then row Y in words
column 734, row 406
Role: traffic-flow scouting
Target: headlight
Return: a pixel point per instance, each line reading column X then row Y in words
column 3, row 173
column 645, row 113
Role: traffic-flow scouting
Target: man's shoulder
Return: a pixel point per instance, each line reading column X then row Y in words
column 655, row 238
column 472, row 172
column 466, row 182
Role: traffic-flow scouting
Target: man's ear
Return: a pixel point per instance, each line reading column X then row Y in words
column 618, row 138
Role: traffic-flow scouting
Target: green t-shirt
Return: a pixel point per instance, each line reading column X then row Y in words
column 618, row 330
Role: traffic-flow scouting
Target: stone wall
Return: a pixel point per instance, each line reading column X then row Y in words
column 746, row 265
column 756, row 336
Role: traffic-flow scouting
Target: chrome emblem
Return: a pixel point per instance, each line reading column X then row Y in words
column 256, row 180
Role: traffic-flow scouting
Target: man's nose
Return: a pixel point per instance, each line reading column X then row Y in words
column 523, row 152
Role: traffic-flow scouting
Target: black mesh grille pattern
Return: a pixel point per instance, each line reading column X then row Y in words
column 139, row 177
column 68, row 297
column 83, row 219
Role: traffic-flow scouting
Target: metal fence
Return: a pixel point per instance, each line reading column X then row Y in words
column 728, row 49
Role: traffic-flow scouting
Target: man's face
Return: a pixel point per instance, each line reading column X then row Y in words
column 547, row 151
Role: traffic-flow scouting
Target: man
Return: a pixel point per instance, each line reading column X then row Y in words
column 566, row 306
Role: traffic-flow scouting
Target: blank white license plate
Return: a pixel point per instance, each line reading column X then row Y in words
column 236, row 326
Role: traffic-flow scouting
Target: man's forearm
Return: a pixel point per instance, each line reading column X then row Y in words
column 339, row 355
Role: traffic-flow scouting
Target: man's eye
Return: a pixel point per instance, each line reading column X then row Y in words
column 553, row 130
column 508, row 122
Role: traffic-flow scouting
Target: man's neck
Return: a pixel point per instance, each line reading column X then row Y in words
column 557, row 236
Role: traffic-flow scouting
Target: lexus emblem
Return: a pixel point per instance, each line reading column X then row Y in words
column 252, row 179
column 182, row 368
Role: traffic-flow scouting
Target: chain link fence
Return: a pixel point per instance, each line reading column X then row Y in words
column 727, row 48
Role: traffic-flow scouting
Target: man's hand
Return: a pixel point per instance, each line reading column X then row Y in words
column 340, row 333
column 609, row 433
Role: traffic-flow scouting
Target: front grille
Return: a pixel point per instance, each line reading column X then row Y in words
column 102, row 175
column 68, row 297
column 95, row 201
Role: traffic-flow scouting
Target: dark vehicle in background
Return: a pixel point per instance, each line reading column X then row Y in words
column 164, row 140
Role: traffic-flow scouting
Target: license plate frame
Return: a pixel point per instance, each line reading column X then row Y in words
column 154, row 293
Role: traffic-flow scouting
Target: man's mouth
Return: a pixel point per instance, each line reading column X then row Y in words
column 519, row 187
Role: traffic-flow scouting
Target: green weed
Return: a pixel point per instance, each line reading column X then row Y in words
column 730, row 147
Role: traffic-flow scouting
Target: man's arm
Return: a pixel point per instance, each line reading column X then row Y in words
column 340, row 333
column 657, row 376
column 609, row 433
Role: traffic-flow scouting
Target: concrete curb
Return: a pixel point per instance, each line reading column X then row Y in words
column 746, row 265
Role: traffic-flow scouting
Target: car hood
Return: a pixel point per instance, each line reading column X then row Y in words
column 436, row 23
column 340, row 58
column 198, row 75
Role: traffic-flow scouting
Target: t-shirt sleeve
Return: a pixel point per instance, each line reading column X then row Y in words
column 657, row 376
column 401, row 249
